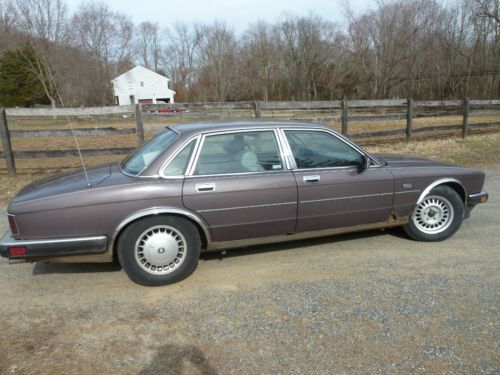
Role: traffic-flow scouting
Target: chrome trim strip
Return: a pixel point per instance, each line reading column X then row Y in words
column 288, row 155
column 437, row 183
column 407, row 191
column 348, row 197
column 215, row 246
column 8, row 222
column 14, row 242
column 158, row 211
column 245, row 207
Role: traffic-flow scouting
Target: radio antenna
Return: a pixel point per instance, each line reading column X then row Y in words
column 47, row 67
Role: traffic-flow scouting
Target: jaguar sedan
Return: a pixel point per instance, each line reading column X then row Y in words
column 217, row 185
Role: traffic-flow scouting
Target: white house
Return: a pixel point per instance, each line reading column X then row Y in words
column 141, row 85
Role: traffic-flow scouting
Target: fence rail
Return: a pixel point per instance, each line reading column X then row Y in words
column 341, row 111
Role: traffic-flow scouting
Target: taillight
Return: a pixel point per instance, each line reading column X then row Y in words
column 13, row 224
column 17, row 251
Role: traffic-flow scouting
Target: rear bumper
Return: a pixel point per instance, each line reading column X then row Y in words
column 36, row 249
column 475, row 199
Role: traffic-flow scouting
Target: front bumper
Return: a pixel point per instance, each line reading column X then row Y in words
column 36, row 249
column 475, row 199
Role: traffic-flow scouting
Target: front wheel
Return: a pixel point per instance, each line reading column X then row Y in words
column 437, row 217
column 159, row 250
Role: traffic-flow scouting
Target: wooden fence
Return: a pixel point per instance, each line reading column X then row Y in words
column 340, row 111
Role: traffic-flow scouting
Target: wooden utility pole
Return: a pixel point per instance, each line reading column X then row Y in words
column 257, row 109
column 344, row 116
column 465, row 123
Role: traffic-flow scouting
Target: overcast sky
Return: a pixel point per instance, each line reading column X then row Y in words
column 236, row 13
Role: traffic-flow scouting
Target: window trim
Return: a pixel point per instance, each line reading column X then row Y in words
column 374, row 163
column 138, row 175
column 164, row 166
column 195, row 157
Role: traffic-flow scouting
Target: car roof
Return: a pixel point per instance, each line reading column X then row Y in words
column 223, row 125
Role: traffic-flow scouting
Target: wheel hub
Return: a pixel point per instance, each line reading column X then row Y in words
column 160, row 249
column 433, row 215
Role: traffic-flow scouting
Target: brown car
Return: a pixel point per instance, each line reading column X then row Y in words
column 210, row 186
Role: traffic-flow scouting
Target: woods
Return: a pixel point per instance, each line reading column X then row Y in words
column 424, row 49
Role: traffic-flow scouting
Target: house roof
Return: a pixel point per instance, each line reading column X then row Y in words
column 140, row 68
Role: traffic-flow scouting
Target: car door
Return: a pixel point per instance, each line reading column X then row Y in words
column 332, row 190
column 241, row 187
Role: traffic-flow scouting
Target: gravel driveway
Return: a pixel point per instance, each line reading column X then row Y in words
column 369, row 303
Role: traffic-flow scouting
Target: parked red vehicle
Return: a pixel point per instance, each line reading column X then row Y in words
column 216, row 185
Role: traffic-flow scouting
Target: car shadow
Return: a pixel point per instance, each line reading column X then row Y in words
column 44, row 268
column 295, row 244
column 172, row 359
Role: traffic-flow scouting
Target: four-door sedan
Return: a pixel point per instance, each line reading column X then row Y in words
column 211, row 186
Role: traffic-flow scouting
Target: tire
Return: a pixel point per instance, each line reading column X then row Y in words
column 159, row 250
column 437, row 217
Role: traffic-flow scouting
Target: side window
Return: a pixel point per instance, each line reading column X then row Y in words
column 239, row 153
column 317, row 149
column 178, row 165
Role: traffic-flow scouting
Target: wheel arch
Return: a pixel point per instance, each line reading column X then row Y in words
column 200, row 225
column 451, row 182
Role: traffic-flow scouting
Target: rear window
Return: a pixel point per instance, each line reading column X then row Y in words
column 145, row 154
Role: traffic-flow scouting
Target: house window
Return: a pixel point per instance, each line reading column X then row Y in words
column 142, row 83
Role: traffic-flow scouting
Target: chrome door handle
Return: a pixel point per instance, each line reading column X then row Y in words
column 205, row 187
column 311, row 179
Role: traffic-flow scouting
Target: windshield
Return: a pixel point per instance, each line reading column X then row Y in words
column 145, row 154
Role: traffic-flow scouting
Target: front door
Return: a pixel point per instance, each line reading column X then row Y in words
column 239, row 184
column 333, row 192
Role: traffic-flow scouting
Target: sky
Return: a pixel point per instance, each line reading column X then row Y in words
column 236, row 13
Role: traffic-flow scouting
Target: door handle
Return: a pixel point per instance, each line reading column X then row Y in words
column 205, row 187
column 311, row 179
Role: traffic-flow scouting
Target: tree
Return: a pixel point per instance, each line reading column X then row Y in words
column 19, row 86
column 149, row 44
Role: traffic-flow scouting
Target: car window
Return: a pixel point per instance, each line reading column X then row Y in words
column 177, row 166
column 317, row 149
column 145, row 154
column 239, row 153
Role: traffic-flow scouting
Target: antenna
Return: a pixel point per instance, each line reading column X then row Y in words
column 68, row 119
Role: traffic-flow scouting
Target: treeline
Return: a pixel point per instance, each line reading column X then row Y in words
column 425, row 49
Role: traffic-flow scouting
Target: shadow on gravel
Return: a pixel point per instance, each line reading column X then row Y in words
column 44, row 268
column 397, row 232
column 173, row 360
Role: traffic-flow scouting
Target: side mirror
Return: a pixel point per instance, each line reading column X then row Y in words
column 365, row 163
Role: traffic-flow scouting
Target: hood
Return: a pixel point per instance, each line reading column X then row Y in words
column 407, row 161
column 63, row 183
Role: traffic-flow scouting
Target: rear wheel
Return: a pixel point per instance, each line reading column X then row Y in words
column 159, row 250
column 437, row 217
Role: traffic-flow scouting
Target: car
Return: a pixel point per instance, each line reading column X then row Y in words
column 211, row 186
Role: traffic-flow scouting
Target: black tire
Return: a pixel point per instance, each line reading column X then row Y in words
column 442, row 199
column 159, row 250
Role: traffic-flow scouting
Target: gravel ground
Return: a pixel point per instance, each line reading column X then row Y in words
column 369, row 303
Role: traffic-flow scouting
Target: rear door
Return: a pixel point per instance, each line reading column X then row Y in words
column 332, row 191
column 240, row 185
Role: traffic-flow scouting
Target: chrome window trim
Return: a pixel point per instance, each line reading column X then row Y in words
column 190, row 171
column 165, row 164
column 374, row 162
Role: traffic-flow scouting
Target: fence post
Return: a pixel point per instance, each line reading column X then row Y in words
column 465, row 123
column 7, row 147
column 257, row 109
column 409, row 119
column 344, row 116
column 139, row 124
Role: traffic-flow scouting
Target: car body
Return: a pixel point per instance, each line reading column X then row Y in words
column 216, row 185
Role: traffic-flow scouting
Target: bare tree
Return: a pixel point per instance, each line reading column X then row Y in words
column 149, row 44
